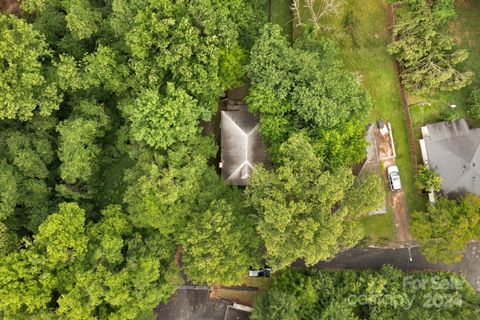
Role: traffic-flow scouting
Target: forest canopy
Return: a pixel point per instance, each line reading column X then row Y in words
column 385, row 294
column 107, row 179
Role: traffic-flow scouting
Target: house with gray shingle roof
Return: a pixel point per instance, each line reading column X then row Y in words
column 452, row 149
column 242, row 146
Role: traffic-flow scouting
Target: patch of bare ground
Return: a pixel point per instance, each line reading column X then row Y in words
column 10, row 6
column 397, row 202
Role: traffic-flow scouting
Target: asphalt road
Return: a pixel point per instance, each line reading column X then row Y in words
column 191, row 304
column 372, row 258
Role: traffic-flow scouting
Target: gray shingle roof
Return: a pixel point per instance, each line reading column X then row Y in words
column 242, row 146
column 453, row 151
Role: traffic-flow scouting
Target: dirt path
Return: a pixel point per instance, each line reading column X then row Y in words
column 400, row 216
column 10, row 6
column 398, row 203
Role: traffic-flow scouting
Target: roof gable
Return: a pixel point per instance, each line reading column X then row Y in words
column 454, row 153
column 242, row 146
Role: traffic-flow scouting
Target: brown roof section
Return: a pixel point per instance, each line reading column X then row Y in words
column 242, row 146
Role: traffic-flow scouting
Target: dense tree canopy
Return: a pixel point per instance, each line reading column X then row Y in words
column 385, row 294
column 90, row 270
column 27, row 155
column 106, row 175
column 307, row 211
column 160, row 121
column 220, row 243
column 24, row 85
column 425, row 51
column 103, row 98
column 306, row 87
column 447, row 226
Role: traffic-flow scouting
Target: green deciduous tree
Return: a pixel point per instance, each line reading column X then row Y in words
column 178, row 195
column 76, row 270
column 180, row 43
column 163, row 188
column 306, row 87
column 83, row 20
column 8, row 190
column 276, row 305
column 107, row 68
column 366, row 194
column 24, row 86
column 79, row 147
column 62, row 236
column 8, row 240
column 160, row 121
column 126, row 273
column 424, row 50
column 385, row 294
column 27, row 155
column 78, row 151
column 307, row 211
column 446, row 227
column 220, row 243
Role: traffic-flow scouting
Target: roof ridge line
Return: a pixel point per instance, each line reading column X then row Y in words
column 239, row 168
column 236, row 124
column 252, row 129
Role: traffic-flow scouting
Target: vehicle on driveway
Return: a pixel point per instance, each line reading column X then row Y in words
column 264, row 272
column 394, row 178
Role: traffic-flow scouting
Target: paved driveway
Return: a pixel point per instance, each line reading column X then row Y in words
column 194, row 304
column 191, row 304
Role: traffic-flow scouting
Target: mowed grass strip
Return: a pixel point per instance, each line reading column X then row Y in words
column 362, row 34
column 379, row 228
column 282, row 15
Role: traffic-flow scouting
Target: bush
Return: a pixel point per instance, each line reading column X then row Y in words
column 451, row 115
column 427, row 179
column 473, row 104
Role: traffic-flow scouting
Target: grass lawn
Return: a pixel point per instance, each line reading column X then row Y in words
column 361, row 34
column 363, row 37
column 260, row 283
column 466, row 32
column 379, row 228
column 282, row 15
column 423, row 114
column 245, row 297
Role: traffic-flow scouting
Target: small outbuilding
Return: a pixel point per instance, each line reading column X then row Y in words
column 242, row 146
column 452, row 150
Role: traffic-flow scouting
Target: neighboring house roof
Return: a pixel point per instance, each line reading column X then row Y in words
column 242, row 146
column 453, row 151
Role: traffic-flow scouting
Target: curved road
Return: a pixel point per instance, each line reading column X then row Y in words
column 373, row 258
